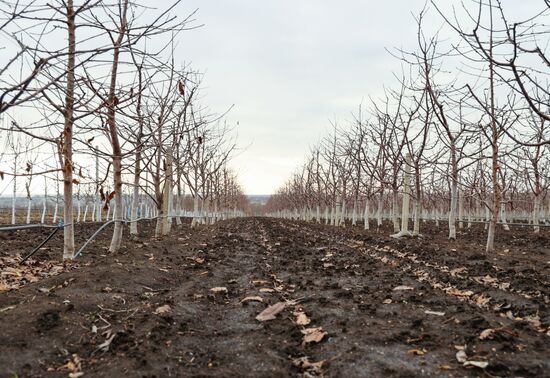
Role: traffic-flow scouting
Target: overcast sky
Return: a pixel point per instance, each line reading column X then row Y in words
column 291, row 65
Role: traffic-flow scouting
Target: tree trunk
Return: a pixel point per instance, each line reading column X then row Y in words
column 452, row 210
column 395, row 210
column 503, row 217
column 135, row 196
column 406, row 196
column 354, row 214
column 536, row 214
column 461, row 209
column 379, row 210
column 166, row 223
column 366, row 215
column 116, row 241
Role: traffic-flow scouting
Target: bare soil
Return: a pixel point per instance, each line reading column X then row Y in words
column 379, row 306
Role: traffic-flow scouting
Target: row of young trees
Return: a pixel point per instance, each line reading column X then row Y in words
column 96, row 82
column 466, row 133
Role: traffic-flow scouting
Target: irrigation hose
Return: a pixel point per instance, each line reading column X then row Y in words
column 79, row 253
column 41, row 244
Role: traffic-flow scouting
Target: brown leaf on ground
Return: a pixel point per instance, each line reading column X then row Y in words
column 219, row 289
column 313, row 335
column 403, row 287
column 490, row 333
column 478, row 364
column 459, row 293
column 303, row 363
column 436, row 313
column 302, row 319
column 163, row 310
column 481, row 299
column 271, row 312
column 252, row 299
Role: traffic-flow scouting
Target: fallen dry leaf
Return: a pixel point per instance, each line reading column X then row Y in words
column 459, row 293
column 7, row 309
column 302, row 319
column 219, row 289
column 481, row 299
column 487, row 334
column 387, row 301
column 436, row 313
column 271, row 312
column 446, row 367
column 252, row 299
column 490, row 333
column 478, row 364
column 461, row 356
column 417, row 352
column 266, row 290
column 313, row 335
column 456, row 272
column 403, row 287
column 303, row 363
column 163, row 310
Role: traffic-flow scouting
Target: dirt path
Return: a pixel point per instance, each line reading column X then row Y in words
column 151, row 311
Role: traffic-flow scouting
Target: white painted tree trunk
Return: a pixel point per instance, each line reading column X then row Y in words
column 84, row 217
column 452, row 210
column 461, row 209
column 379, row 210
column 29, row 206
column 338, row 211
column 406, row 199
column 503, row 217
column 178, row 210
column 135, row 203
column 13, row 218
column 44, row 204
column 417, row 217
column 536, row 215
column 54, row 220
column 487, row 218
column 166, row 203
column 395, row 211
column 366, row 225
column 342, row 220
column 354, row 213
column 195, row 220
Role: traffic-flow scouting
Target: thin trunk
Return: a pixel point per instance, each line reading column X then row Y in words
column 167, row 194
column 116, row 241
column 366, row 215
